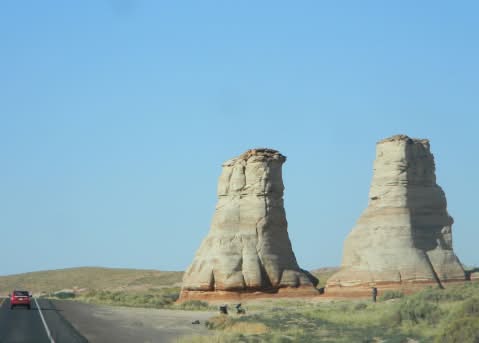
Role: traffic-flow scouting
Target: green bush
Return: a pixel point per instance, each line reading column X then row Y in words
column 417, row 310
column 360, row 306
column 388, row 295
column 451, row 293
column 193, row 305
column 344, row 307
column 469, row 307
column 219, row 322
column 463, row 330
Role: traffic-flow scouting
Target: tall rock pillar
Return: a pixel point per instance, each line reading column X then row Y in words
column 247, row 251
column 403, row 239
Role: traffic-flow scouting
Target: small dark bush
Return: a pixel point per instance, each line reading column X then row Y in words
column 64, row 295
column 360, row 306
column 388, row 295
column 344, row 307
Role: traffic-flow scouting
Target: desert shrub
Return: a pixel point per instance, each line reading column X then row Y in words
column 417, row 310
column 219, row 338
column 160, row 298
column 344, row 307
column 90, row 293
column 248, row 327
column 237, row 325
column 360, row 306
column 391, row 319
column 218, row 322
column 463, row 330
column 433, row 294
column 281, row 339
column 63, row 295
column 388, row 295
column 193, row 305
column 469, row 307
column 451, row 293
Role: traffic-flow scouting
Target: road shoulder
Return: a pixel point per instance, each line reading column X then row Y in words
column 61, row 329
column 125, row 325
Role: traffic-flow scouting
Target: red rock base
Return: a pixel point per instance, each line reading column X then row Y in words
column 219, row 296
column 331, row 292
column 364, row 290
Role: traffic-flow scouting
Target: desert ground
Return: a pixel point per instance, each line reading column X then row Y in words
column 136, row 305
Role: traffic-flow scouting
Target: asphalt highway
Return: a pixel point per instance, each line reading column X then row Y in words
column 21, row 325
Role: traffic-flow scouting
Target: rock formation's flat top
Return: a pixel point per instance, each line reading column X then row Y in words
column 405, row 138
column 259, row 154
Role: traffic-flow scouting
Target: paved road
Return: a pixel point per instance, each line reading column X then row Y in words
column 25, row 326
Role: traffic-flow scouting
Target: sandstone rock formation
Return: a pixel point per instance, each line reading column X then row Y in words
column 247, row 251
column 474, row 276
column 403, row 239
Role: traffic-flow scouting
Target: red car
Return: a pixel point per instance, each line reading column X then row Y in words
column 20, row 298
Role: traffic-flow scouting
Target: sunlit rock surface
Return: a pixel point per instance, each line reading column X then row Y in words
column 403, row 239
column 247, row 251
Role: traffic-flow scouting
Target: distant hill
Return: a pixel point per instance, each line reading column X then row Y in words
column 323, row 274
column 107, row 279
column 90, row 278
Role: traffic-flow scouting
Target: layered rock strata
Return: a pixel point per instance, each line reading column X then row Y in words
column 474, row 276
column 247, row 252
column 403, row 239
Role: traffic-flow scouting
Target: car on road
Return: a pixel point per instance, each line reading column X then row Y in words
column 20, row 298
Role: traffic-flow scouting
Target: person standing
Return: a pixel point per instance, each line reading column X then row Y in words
column 374, row 293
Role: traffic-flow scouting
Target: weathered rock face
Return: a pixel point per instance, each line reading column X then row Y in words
column 247, row 249
column 403, row 238
column 474, row 276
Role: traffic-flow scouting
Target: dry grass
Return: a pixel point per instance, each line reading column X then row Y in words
column 248, row 328
column 227, row 324
column 152, row 298
column 90, row 278
column 217, row 338
column 432, row 315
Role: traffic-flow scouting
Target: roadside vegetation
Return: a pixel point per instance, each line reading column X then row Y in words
column 151, row 298
column 432, row 315
column 164, row 297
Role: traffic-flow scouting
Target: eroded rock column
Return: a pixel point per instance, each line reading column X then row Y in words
column 247, row 251
column 403, row 239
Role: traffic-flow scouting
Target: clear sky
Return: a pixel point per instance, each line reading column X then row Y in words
column 117, row 115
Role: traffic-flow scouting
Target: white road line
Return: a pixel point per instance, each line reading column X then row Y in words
column 44, row 322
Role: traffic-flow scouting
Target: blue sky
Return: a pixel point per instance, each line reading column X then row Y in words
column 116, row 116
